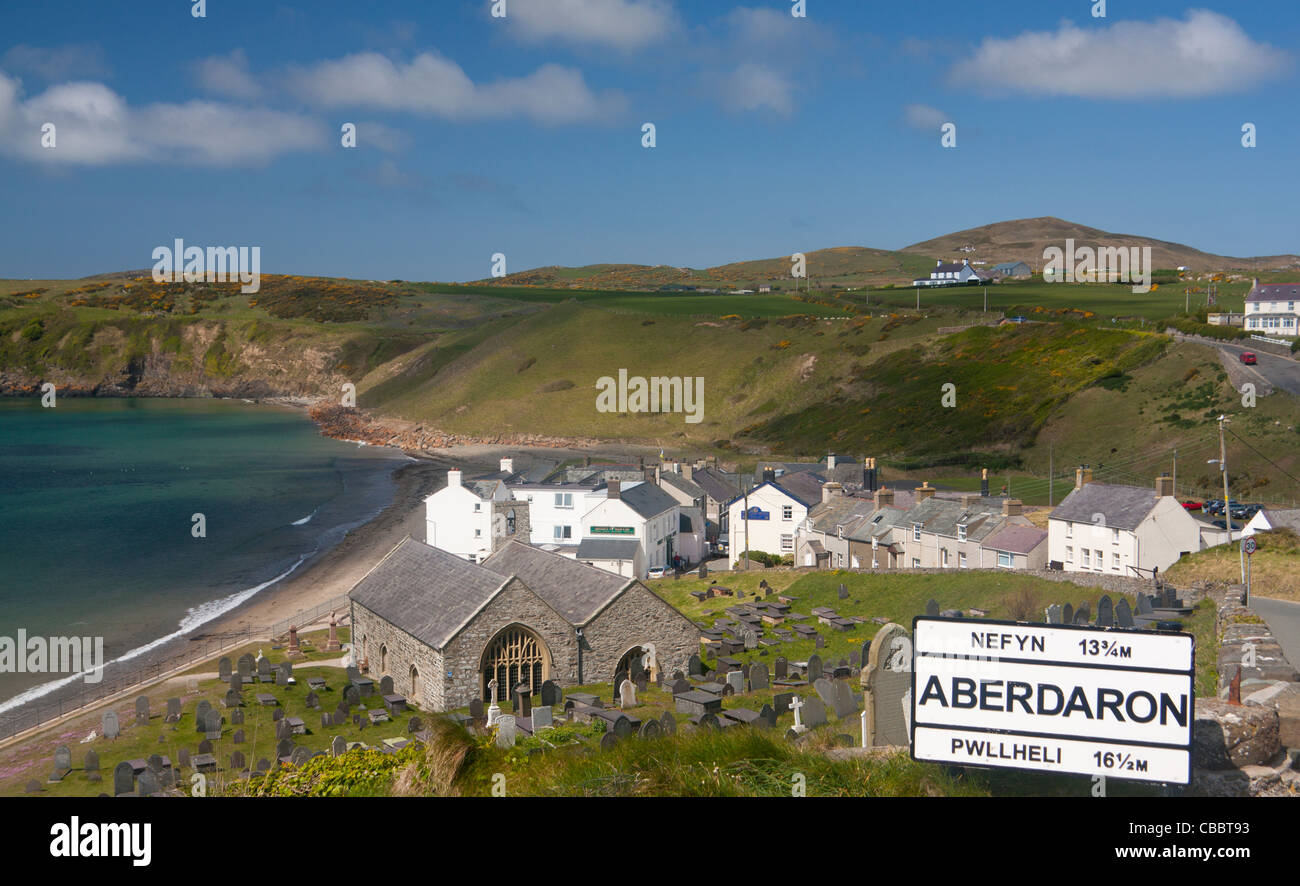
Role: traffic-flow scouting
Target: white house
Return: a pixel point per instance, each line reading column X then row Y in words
column 1268, row 519
column 1273, row 309
column 768, row 517
column 471, row 519
column 1119, row 530
column 950, row 274
column 556, row 511
column 641, row 512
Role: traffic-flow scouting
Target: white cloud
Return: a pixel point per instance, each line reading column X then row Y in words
column 753, row 87
column 96, row 127
column 432, row 84
column 924, row 117
column 621, row 24
column 65, row 62
column 1205, row 54
column 228, row 75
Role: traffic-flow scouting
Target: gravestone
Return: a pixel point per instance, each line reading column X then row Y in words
column 236, row 683
column 506, row 731
column 650, row 729
column 550, row 694
column 668, row 723
column 342, row 713
column 142, row 710
column 245, row 666
column 543, row 716
column 1123, row 613
column 1067, row 614
column 887, row 688
column 767, row 716
column 212, row 725
column 326, row 721
column 205, row 747
column 277, row 715
column 736, row 680
column 237, row 717
column 814, row 668
column 173, row 710
column 819, row 641
column 284, row 673
column 694, row 667
column 224, row 669
column 238, row 737
column 814, row 712
column 747, row 636
column 263, row 765
column 232, row 699
column 1105, row 612
column 608, row 741
column 237, row 761
column 758, row 677
column 523, row 700
column 680, row 686
column 338, row 746
column 312, row 701
column 300, row 756
column 1086, row 608
column 200, row 713
column 932, row 608
column 415, row 724
column 476, row 708
column 265, row 673
column 183, row 758
column 1144, row 606
column 781, row 702
column 283, row 730
column 626, row 695
column 708, row 721
column 92, row 761
column 62, row 763
column 1054, row 614
column 704, row 570
column 385, row 685
column 148, row 784
column 351, row 695
column 780, row 668
column 842, row 592
column 283, row 748
column 123, row 778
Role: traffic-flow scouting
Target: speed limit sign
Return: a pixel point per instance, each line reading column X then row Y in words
column 1249, row 545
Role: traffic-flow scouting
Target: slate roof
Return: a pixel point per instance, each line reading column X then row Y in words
column 677, row 481
column 1015, row 539
column 878, row 524
column 1275, row 292
column 575, row 590
column 647, row 499
column 719, row 485
column 840, row 511
column 949, row 268
column 1285, row 518
column 1008, row 266
column 426, row 591
column 805, row 487
column 607, row 549
column 943, row 516
column 1122, row 507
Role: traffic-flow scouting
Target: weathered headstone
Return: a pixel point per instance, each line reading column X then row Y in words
column 1105, row 612
column 814, row 712
column 212, row 725
column 232, row 699
column 1123, row 613
column 1144, row 606
column 626, row 694
column 1067, row 614
column 283, row 748
column 299, row 756
column 237, row 717
column 932, row 608
column 245, row 665
column 887, row 687
column 237, row 761
column 238, row 737
column 694, row 667
column 277, row 715
column 385, row 685
column 62, row 763
column 173, row 710
column 747, row 636
column 263, row 765
column 680, row 686
column 543, row 716
column 550, row 694
column 284, row 673
column 312, row 701
column 148, row 783
column 736, row 680
column 767, row 716
column 415, row 724
column 205, row 746
column 842, row 592
column 123, row 778
column 814, row 668
column 819, row 641
column 92, row 761
column 326, row 721
column 758, row 677
column 476, row 708
column 142, row 710
column 668, row 723
column 224, row 669
column 1086, row 609
column 1054, row 614
column 283, row 730
column 200, row 713
column 351, row 695
column 523, row 700
column 338, row 746
column 781, row 702
column 183, row 758
column 780, row 668
column 506, row 731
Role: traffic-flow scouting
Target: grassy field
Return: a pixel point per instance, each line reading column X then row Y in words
column 1274, row 567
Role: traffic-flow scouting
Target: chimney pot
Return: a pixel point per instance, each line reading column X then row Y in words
column 453, row 478
column 830, row 490
column 884, row 497
column 1012, row 507
column 1164, row 485
column 508, row 465
column 924, row 491
column 613, row 489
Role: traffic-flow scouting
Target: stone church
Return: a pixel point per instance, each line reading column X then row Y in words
column 443, row 627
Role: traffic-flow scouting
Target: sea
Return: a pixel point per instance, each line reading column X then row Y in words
column 139, row 520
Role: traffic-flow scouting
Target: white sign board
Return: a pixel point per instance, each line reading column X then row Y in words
column 1055, row 698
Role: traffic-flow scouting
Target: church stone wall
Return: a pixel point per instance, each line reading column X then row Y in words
column 516, row 604
column 637, row 617
column 370, row 631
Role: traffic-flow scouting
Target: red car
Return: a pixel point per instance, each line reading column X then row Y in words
column 1248, row 357
column 1193, row 505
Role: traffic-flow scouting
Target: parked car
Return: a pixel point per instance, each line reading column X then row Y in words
column 1248, row 357
column 1213, row 506
column 655, row 572
column 1192, row 505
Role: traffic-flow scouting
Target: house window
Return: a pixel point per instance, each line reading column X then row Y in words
column 961, row 560
column 1101, row 561
column 787, row 542
column 943, row 557
column 563, row 532
column 839, row 530
column 1005, row 560
column 1114, row 536
column 564, row 499
column 1069, row 530
column 1114, row 561
column 916, row 532
column 478, row 506
column 1083, row 552
column 961, row 533
column 478, row 533
column 839, row 560
column 1069, row 553
column 916, row 563
column 787, row 512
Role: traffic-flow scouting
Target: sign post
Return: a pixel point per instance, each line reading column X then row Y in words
column 1249, row 547
column 1054, row 698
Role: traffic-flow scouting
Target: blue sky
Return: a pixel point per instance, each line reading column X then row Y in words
column 522, row 135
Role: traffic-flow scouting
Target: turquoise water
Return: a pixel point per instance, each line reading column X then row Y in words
column 96, row 504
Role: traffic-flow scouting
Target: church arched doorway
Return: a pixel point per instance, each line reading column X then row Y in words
column 636, row 661
column 515, row 655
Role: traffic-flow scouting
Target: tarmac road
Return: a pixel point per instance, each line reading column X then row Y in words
column 1284, row 620
column 1281, row 372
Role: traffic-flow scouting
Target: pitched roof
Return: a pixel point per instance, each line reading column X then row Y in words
column 718, row 485
column 1275, row 292
column 942, row 516
column 426, row 591
column 607, row 549
column 1283, row 518
column 804, row 486
column 1015, row 539
column 677, row 481
column 1122, row 507
column 841, row 510
column 575, row 590
column 647, row 499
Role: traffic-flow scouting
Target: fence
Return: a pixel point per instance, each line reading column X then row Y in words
column 124, row 677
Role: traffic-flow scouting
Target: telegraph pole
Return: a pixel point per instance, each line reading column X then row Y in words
column 1227, row 508
column 1049, row 475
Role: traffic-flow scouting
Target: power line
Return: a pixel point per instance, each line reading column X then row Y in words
column 1263, row 456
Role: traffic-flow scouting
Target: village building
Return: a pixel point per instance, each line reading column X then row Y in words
column 1012, row 269
column 641, row 512
column 1120, row 530
column 1269, row 519
column 472, row 519
column 1273, row 309
column 443, row 627
column 950, row 274
column 767, row 517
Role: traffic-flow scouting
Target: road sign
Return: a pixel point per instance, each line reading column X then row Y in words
column 1249, row 545
column 1054, row 698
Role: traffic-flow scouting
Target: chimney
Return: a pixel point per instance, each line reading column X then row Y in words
column 658, row 473
column 688, row 471
column 1164, row 485
column 586, row 461
column 1012, row 507
column 830, row 462
column 924, row 491
column 965, row 261
column 830, row 490
column 938, row 262
column 769, row 475
column 984, row 482
column 613, row 489
column 884, row 498
column 640, row 462
column 970, row 500
column 508, row 465
column 453, row 478
column 1082, row 475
